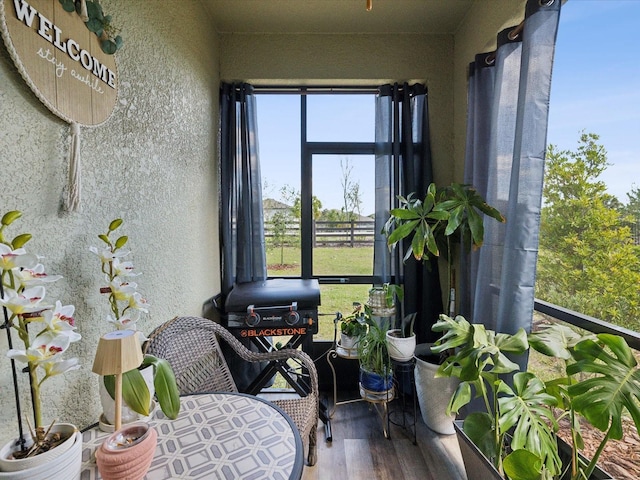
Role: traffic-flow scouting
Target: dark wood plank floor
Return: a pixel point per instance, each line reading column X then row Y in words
column 359, row 450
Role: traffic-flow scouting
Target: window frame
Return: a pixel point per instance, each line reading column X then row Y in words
column 307, row 150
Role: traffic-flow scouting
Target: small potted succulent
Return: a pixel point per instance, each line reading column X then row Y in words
column 46, row 331
column 154, row 375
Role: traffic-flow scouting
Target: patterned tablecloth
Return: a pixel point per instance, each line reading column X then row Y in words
column 217, row 436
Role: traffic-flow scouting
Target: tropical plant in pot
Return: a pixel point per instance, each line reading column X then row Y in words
column 446, row 216
column 126, row 305
column 376, row 374
column 516, row 429
column 402, row 340
column 46, row 331
column 352, row 328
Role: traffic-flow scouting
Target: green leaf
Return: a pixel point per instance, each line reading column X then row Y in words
column 525, row 411
column 20, row 240
column 401, row 232
column 68, row 5
column 135, row 392
column 122, row 241
column 522, row 465
column 115, row 224
column 614, row 386
column 104, row 238
column 9, row 217
column 109, row 47
column 556, row 340
column 479, row 428
column 94, row 25
column 165, row 385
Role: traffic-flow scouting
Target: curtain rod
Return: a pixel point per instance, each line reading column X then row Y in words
column 305, row 90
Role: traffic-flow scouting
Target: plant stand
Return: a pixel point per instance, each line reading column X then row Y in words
column 335, row 352
column 380, row 403
column 404, row 410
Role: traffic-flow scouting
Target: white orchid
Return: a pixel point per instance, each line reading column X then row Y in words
column 123, row 269
column 60, row 321
column 26, row 301
column 18, row 258
column 50, row 331
column 106, row 255
column 125, row 301
column 34, row 276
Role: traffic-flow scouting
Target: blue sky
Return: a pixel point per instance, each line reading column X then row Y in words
column 595, row 88
column 595, row 85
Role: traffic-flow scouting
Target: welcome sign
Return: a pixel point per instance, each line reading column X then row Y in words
column 60, row 59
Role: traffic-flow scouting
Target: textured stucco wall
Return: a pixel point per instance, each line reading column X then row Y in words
column 352, row 60
column 152, row 164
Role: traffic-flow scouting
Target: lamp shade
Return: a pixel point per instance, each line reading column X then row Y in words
column 117, row 352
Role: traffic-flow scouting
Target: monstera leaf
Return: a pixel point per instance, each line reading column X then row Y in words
column 614, row 387
column 525, row 409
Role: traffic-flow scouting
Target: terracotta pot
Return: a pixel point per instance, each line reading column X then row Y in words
column 127, row 453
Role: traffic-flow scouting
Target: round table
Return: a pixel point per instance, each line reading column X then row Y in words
column 217, row 436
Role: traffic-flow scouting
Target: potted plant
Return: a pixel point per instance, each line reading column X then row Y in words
column 516, row 430
column 352, row 327
column 53, row 450
column 402, row 340
column 155, row 374
column 451, row 214
column 376, row 375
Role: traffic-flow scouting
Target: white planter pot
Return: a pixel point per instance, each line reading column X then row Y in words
column 109, row 405
column 347, row 342
column 400, row 348
column 434, row 393
column 64, row 461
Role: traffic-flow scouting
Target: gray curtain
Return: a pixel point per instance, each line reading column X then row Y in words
column 402, row 166
column 241, row 219
column 506, row 143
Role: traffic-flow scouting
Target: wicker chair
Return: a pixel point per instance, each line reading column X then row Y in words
column 191, row 346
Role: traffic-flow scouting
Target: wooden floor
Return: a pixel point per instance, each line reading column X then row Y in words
column 359, row 450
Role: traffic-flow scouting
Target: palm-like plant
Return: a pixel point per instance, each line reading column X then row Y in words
column 454, row 212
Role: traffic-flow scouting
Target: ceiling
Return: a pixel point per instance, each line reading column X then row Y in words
column 337, row 16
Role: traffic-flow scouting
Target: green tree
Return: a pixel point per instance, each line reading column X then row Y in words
column 587, row 261
column 279, row 237
column 351, row 196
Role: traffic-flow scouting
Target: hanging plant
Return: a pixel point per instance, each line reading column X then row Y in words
column 97, row 22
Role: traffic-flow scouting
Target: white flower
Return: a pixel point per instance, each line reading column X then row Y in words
column 47, row 347
column 107, row 255
column 18, row 258
column 34, row 276
column 60, row 321
column 123, row 269
column 27, row 301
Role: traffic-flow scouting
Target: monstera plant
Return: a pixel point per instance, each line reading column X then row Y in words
column 517, row 428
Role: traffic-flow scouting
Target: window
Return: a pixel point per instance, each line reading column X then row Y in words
column 317, row 165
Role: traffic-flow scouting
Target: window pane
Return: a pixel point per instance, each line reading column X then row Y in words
column 279, row 149
column 343, row 229
column 340, row 118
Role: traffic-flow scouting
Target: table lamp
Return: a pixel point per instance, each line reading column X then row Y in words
column 117, row 352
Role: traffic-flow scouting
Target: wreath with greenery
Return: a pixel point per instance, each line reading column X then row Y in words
column 97, row 22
